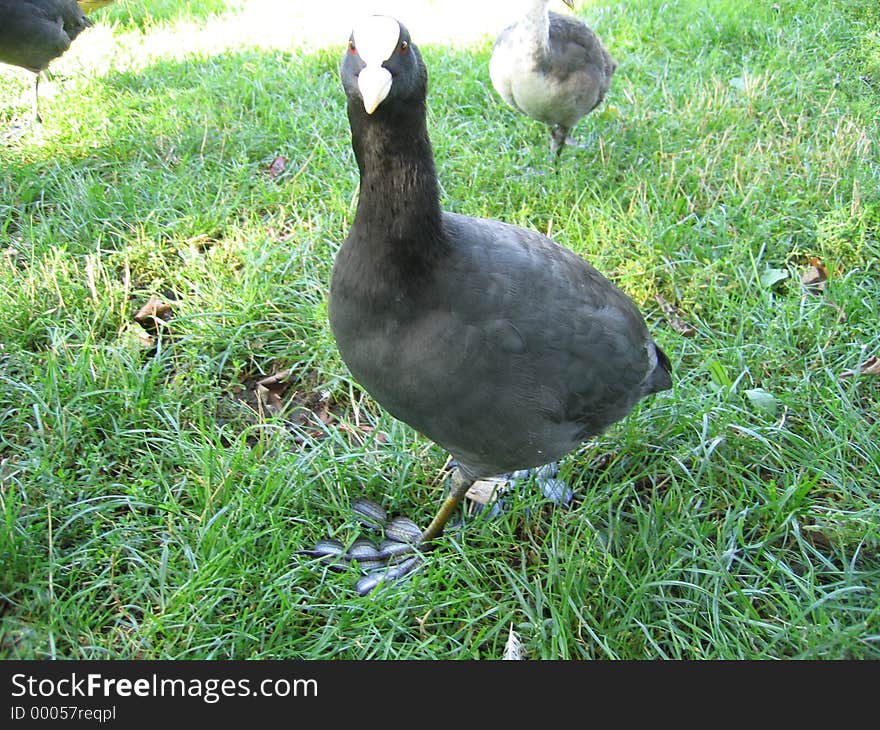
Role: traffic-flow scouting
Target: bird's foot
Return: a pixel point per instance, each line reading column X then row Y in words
column 397, row 555
column 494, row 494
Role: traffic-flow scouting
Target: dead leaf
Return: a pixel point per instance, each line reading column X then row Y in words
column 270, row 389
column 148, row 342
column 323, row 413
column 153, row 315
column 676, row 322
column 277, row 166
column 269, row 398
column 871, row 366
column 815, row 277
column 275, row 380
column 486, row 491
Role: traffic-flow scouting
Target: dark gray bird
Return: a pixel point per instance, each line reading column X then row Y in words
column 35, row 32
column 552, row 68
column 492, row 340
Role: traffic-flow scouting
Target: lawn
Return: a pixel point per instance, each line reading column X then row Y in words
column 153, row 493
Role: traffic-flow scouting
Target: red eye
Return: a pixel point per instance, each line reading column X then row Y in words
column 404, row 46
column 351, row 47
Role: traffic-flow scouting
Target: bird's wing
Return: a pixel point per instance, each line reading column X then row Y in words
column 574, row 44
column 543, row 305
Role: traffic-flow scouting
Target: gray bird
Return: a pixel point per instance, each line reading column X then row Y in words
column 552, row 68
column 35, row 32
column 495, row 342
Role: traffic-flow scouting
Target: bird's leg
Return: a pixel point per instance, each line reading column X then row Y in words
column 36, row 105
column 558, row 140
column 457, row 490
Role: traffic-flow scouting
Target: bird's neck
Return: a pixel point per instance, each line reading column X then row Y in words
column 398, row 214
column 536, row 24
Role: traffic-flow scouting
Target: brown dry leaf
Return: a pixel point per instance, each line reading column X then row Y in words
column 270, row 389
column 153, row 315
column 275, row 380
column 277, row 166
column 816, row 276
column 485, row 491
column 270, row 399
column 676, row 322
column 323, row 413
column 321, row 408
column 871, row 366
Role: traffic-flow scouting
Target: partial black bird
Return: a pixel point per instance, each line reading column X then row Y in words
column 500, row 345
column 35, row 32
column 553, row 68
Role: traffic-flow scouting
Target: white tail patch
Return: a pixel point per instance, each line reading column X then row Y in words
column 376, row 38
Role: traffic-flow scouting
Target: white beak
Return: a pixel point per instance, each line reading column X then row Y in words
column 374, row 83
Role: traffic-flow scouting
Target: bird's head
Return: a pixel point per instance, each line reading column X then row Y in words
column 382, row 63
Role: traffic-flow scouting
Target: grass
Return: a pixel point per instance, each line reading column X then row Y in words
column 151, row 509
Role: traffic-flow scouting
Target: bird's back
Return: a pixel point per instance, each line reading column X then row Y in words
column 576, row 52
column 34, row 32
column 557, row 81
